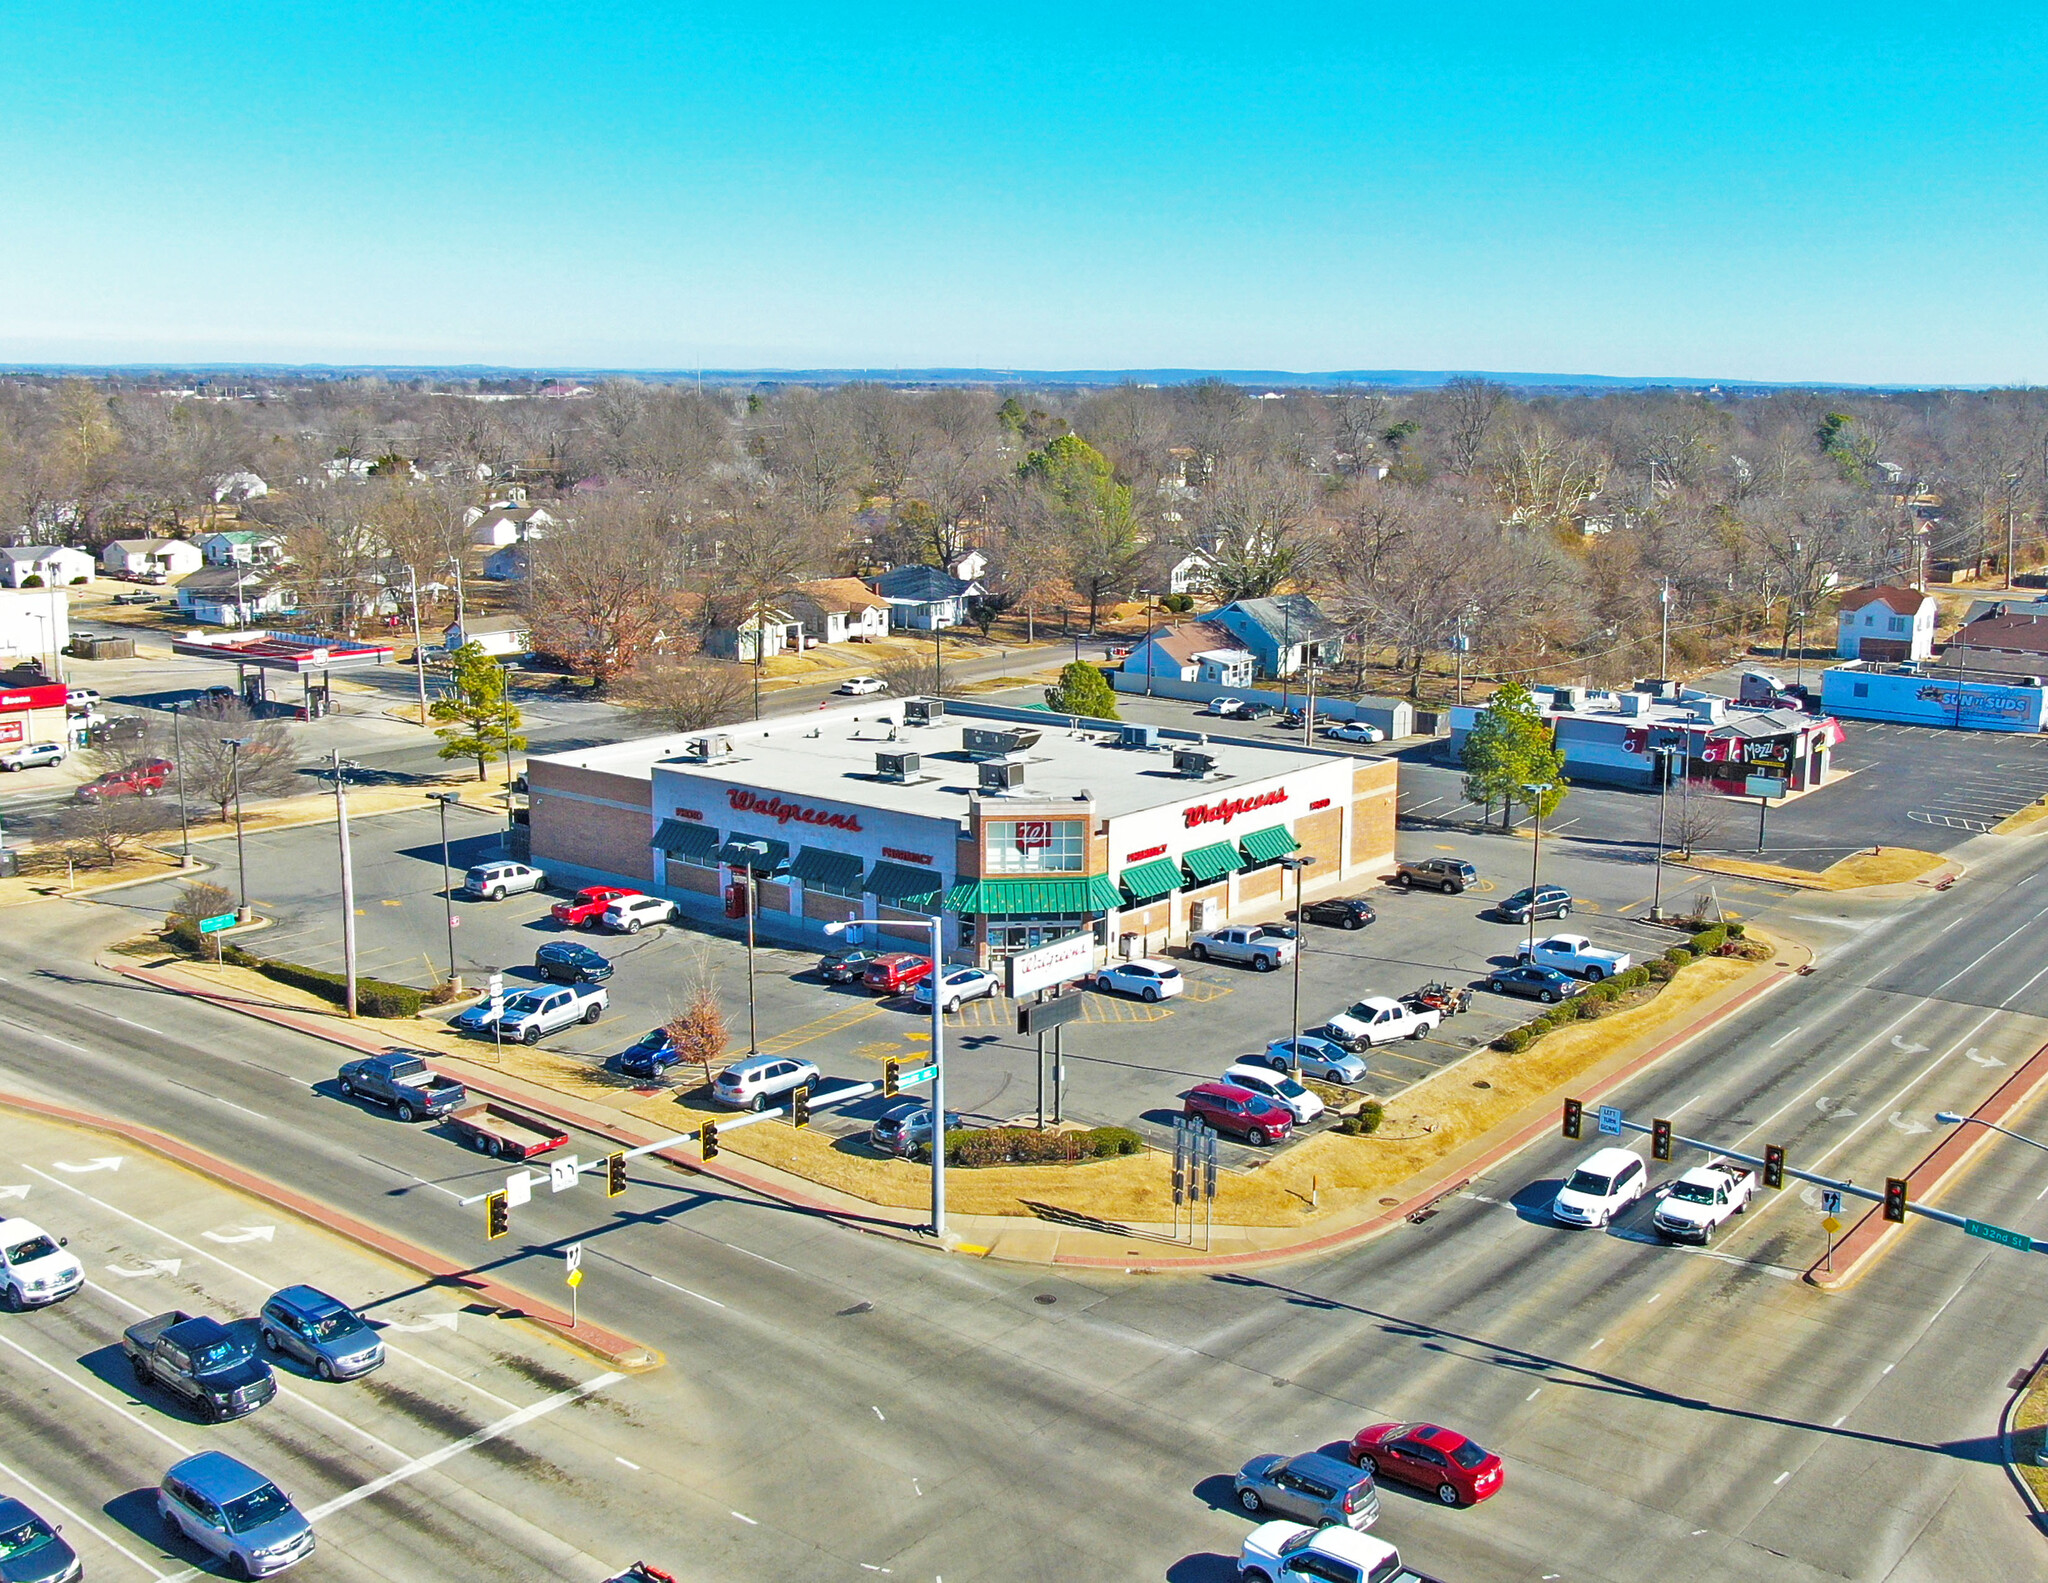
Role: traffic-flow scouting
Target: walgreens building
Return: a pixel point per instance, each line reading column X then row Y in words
column 1016, row 826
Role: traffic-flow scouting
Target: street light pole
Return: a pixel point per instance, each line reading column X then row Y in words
column 753, row 898
column 1950, row 1118
column 178, row 759
column 1536, row 794
column 1800, row 680
column 1150, row 606
column 1664, row 651
column 348, row 880
column 419, row 649
column 447, row 884
column 234, row 745
column 1296, row 865
column 1662, row 758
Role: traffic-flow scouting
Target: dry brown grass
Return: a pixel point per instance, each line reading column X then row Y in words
column 1892, row 865
column 2030, row 1433
column 2023, row 822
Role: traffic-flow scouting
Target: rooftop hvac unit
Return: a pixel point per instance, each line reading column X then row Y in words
column 896, row 766
column 985, row 743
column 1635, row 703
column 1146, row 737
column 710, row 749
column 1188, row 762
column 923, row 711
column 1568, row 698
column 1001, row 775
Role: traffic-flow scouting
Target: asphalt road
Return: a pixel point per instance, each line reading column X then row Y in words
column 833, row 1405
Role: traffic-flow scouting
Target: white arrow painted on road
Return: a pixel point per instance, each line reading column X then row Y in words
column 437, row 1322
column 1982, row 1060
column 246, row 1234
column 13, row 1192
column 1834, row 1110
column 1910, row 1049
column 149, row 1267
column 1810, row 1197
column 109, row 1162
column 1906, row 1124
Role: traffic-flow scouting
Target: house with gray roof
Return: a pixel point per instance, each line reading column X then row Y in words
column 1283, row 632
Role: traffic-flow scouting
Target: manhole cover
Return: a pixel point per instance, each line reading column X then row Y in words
column 1481, row 1083
column 1045, row 1297
column 1390, row 1200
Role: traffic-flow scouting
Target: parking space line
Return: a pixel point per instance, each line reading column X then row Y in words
column 818, row 1028
column 47, row 1499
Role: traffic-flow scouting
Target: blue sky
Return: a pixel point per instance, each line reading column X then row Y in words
column 1759, row 192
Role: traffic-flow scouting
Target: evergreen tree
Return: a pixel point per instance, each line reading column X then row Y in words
column 483, row 721
column 1083, row 690
column 1509, row 748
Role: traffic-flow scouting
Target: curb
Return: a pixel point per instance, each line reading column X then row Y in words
column 608, row 1346
column 2005, row 1445
column 1873, row 1234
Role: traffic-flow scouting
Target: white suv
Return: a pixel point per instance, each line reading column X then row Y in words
column 631, row 914
column 34, row 1268
column 496, row 881
column 1606, row 1182
column 1281, row 1089
column 753, row 1084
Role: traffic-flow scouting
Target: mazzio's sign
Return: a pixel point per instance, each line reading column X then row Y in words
column 1230, row 807
column 782, row 813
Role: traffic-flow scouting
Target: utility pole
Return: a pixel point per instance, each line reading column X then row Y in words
column 178, row 758
column 234, row 745
column 419, row 648
column 753, row 1025
column 1296, row 865
column 447, row 884
column 1150, row 606
column 1661, row 757
column 348, row 879
column 1535, row 794
column 1664, row 602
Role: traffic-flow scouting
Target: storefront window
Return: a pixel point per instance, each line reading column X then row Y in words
column 1034, row 846
column 1007, row 936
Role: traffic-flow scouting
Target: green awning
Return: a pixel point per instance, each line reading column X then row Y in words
column 761, row 853
column 1145, row 882
column 1020, row 897
column 1212, row 862
column 1267, row 846
column 816, row 866
column 894, row 882
column 693, row 843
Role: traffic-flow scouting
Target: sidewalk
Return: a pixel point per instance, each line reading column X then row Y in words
column 1055, row 1237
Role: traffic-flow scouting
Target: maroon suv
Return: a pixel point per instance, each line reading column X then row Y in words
column 895, row 973
column 1240, row 1112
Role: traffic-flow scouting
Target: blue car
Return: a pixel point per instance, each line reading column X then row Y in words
column 651, row 1055
column 322, row 1332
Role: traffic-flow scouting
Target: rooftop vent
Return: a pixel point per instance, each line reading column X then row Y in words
column 983, row 743
column 923, row 711
column 1186, row 761
column 899, row 767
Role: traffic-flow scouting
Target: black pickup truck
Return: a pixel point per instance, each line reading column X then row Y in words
column 200, row 1361
column 401, row 1081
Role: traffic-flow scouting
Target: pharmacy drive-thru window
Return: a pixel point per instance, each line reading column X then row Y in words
column 1017, row 828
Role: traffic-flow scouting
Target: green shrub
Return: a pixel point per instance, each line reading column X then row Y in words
column 1708, row 941
column 374, row 997
column 1678, row 955
column 1370, row 1115
column 1662, row 971
column 1606, row 989
column 1735, row 930
column 1635, row 978
column 971, row 1146
column 1515, row 1040
column 1105, row 1142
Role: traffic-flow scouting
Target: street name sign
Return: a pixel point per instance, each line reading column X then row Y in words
column 219, row 920
column 1998, row 1234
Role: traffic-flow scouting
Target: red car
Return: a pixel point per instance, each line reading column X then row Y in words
column 142, row 780
column 1240, row 1112
column 582, row 910
column 896, row 972
column 1458, row 1470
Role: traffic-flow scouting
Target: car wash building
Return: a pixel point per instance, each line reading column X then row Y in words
column 1961, row 700
column 1014, row 826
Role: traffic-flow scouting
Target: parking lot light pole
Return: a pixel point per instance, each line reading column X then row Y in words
column 936, row 924
column 234, row 745
column 1295, row 865
column 1536, row 794
column 444, row 798
column 178, row 758
column 348, row 880
column 1661, row 756
column 753, row 1026
column 1151, row 604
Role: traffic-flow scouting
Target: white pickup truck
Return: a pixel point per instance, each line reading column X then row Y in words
column 1246, row 943
column 1379, row 1019
column 1703, row 1200
column 529, row 1013
column 1577, row 955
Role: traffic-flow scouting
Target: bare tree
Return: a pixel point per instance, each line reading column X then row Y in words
column 100, row 832
column 698, row 1032
column 266, row 764
column 686, row 696
column 1466, row 408
column 598, row 595
column 1255, row 529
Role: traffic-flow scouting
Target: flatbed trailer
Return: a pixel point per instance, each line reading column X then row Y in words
column 494, row 1128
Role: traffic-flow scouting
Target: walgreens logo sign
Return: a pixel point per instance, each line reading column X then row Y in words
column 789, row 812
column 1230, row 807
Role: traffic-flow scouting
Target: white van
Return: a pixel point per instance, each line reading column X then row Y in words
column 1606, row 1182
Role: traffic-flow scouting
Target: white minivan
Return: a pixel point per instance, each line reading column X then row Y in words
column 1606, row 1182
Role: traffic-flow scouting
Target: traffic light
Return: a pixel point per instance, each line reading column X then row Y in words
column 1895, row 1199
column 1774, row 1165
column 707, row 1136
column 1574, row 1118
column 800, row 1106
column 1660, row 1140
column 890, row 1070
column 614, row 1175
column 497, row 1216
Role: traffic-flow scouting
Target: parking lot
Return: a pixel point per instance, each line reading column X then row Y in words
column 1127, row 1063
column 456, row 1456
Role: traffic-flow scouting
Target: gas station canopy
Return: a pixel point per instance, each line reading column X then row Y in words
column 295, row 653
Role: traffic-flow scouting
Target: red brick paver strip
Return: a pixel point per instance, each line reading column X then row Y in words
column 1873, row 1234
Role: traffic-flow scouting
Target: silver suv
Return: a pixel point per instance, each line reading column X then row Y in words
column 760, row 1080
column 495, row 881
column 230, row 1510
column 1310, row 1488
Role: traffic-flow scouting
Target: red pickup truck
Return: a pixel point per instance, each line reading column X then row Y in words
column 896, row 972
column 139, row 780
column 582, row 910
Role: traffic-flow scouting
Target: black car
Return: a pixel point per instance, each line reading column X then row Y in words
column 1545, row 901
column 650, row 1056
column 1346, row 912
column 846, row 967
column 570, row 962
column 1533, row 982
column 1448, row 874
column 1252, row 709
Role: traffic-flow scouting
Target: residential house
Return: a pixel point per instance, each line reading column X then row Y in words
column 53, row 565
column 924, row 598
column 752, row 633
column 233, row 596
column 2015, row 643
column 502, row 637
column 1190, row 575
column 970, row 566
column 151, row 559
column 1194, row 651
column 1888, row 624
column 242, row 547
column 838, row 610
column 234, row 489
column 503, row 525
column 1283, row 632
column 511, row 564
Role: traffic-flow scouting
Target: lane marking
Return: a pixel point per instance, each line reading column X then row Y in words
column 202, row 1093
column 622, row 1462
column 743, row 1517
column 86, row 1390
column 877, row 1411
column 489, row 1432
column 1781, row 1478
column 1882, row 1033
column 671, row 1285
column 1651, row 1298
column 1781, row 1038
column 1533, row 1394
column 45, row 1498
